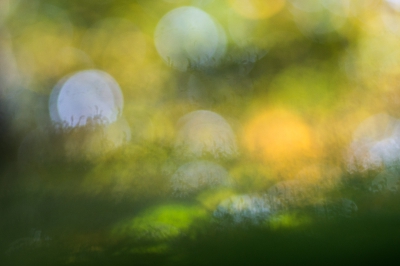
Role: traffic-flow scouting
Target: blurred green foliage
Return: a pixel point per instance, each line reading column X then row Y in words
column 83, row 196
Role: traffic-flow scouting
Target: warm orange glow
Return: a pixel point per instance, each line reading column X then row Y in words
column 257, row 9
column 278, row 135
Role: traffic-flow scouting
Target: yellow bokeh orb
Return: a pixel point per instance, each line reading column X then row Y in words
column 278, row 136
column 257, row 9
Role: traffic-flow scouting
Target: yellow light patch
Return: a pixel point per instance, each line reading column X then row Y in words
column 161, row 223
column 257, row 9
column 211, row 199
column 278, row 135
column 288, row 220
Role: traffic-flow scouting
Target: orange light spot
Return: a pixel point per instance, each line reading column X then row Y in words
column 278, row 136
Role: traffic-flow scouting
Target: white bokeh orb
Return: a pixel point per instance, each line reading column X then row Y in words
column 243, row 210
column 89, row 96
column 395, row 4
column 188, row 37
column 205, row 133
column 390, row 14
column 376, row 143
column 198, row 175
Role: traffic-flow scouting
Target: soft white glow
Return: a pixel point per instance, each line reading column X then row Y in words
column 87, row 96
column 189, row 36
column 376, row 143
column 395, row 4
column 243, row 209
column 205, row 132
column 391, row 16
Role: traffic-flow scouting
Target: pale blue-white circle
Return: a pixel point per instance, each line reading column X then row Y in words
column 85, row 97
column 189, row 37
